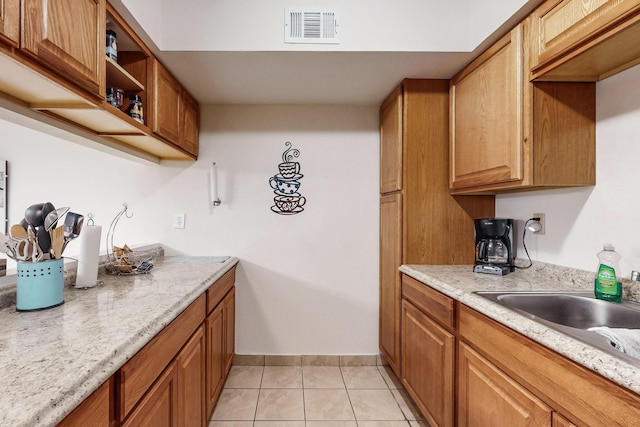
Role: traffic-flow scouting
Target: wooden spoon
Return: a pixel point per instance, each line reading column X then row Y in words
column 57, row 241
column 18, row 231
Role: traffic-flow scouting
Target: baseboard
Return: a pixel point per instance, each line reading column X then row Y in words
column 308, row 360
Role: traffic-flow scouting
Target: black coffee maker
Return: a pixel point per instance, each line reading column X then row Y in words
column 495, row 246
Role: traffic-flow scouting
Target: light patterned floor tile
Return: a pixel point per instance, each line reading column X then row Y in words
column 244, row 377
column 332, row 424
column 363, row 377
column 282, row 377
column 375, row 405
column 383, row 423
column 280, row 404
column 327, row 405
column 322, row 377
column 279, row 424
column 230, row 424
column 236, row 405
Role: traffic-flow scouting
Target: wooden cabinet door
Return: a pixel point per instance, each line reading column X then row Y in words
column 159, row 407
column 190, row 364
column 94, row 411
column 428, row 363
column 561, row 26
column 10, row 22
column 486, row 144
column 229, row 329
column 190, row 123
column 560, row 421
column 390, row 288
column 166, row 104
column 68, row 36
column 487, row 397
column 391, row 143
column 214, row 326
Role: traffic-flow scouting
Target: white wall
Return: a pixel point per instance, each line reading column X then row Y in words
column 249, row 25
column 307, row 283
column 580, row 220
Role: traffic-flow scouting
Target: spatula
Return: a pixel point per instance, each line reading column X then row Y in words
column 57, row 241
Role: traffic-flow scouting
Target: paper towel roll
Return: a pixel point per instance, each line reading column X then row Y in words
column 87, row 275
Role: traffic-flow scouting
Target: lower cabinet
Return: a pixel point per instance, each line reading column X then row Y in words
column 190, row 364
column 176, row 378
column 462, row 368
column 560, row 421
column 215, row 350
column 159, row 406
column 428, row 355
column 486, row 395
column 229, row 329
column 95, row 411
column 220, row 330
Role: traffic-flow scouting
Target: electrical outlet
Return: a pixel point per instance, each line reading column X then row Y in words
column 542, row 223
column 178, row 220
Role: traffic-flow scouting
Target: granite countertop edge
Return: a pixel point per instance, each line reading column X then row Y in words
column 74, row 390
column 459, row 282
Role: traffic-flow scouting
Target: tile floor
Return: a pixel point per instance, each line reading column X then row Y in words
column 314, row 396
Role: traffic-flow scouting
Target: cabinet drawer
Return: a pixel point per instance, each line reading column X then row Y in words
column 437, row 305
column 137, row 375
column 581, row 395
column 219, row 289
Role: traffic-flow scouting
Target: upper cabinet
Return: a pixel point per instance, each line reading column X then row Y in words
column 575, row 40
column 61, row 69
column 67, row 36
column 507, row 134
column 166, row 104
column 391, row 142
column 10, row 22
column 175, row 112
column 486, row 117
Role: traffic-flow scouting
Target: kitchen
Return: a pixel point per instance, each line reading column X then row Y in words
column 291, row 267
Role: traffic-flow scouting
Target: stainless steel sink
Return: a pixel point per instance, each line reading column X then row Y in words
column 572, row 313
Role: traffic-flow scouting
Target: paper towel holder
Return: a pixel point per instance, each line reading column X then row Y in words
column 215, row 199
column 93, row 269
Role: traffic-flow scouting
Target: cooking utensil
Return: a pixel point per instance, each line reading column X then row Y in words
column 44, row 239
column 27, row 249
column 51, row 220
column 57, row 241
column 5, row 245
column 72, row 226
column 18, row 231
column 47, row 208
column 33, row 215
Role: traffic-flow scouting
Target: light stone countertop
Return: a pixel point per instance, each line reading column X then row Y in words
column 51, row 360
column 459, row 282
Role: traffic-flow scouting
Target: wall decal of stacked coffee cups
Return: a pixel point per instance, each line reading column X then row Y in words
column 286, row 184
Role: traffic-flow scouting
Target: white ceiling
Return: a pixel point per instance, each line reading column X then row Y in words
column 266, row 76
column 304, row 77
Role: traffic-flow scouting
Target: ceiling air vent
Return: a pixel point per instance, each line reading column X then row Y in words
column 310, row 26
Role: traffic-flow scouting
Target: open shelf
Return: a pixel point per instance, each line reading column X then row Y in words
column 120, row 78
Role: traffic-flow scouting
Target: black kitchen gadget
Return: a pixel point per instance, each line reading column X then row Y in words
column 495, row 246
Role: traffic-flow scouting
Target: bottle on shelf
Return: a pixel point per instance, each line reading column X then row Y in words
column 135, row 108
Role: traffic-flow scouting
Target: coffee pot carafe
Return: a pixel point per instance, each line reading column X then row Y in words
column 495, row 246
column 493, row 251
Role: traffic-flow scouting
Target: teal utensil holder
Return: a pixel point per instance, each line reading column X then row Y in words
column 39, row 285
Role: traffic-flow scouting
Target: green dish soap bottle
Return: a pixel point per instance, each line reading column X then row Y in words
column 607, row 284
